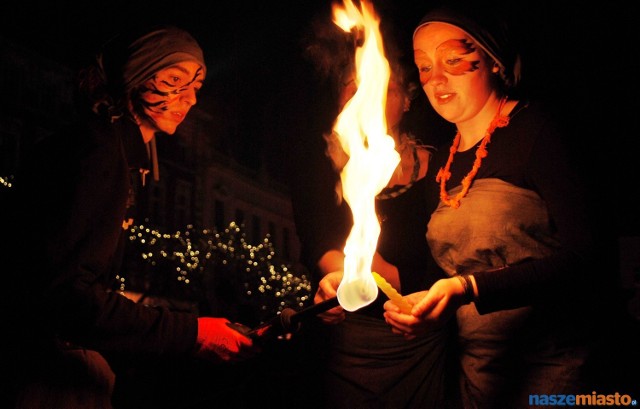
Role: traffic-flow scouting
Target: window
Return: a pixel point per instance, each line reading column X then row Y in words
column 218, row 215
column 271, row 229
column 239, row 217
column 256, row 230
column 182, row 204
column 157, row 211
column 286, row 248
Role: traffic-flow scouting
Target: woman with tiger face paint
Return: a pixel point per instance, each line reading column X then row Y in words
column 165, row 99
column 509, row 223
column 75, row 340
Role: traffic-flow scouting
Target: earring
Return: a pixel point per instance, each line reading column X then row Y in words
column 495, row 68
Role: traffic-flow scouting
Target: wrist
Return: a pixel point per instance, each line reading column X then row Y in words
column 468, row 295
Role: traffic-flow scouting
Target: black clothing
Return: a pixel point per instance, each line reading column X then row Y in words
column 71, row 196
column 530, row 153
column 522, row 230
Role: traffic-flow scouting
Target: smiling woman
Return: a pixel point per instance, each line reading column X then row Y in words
column 527, row 285
column 79, row 187
column 165, row 99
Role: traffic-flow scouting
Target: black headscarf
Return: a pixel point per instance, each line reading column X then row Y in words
column 488, row 29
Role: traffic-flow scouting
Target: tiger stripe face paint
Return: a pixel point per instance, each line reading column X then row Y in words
column 167, row 97
column 168, row 86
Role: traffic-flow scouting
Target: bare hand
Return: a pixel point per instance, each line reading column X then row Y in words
column 327, row 288
column 431, row 309
column 218, row 342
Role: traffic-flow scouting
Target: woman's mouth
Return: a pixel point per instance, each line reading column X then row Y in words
column 443, row 97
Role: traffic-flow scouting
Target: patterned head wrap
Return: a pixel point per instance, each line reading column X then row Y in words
column 487, row 30
column 129, row 61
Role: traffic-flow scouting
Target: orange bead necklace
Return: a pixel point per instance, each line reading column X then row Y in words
column 499, row 121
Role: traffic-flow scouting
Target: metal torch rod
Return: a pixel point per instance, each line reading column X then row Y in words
column 314, row 309
column 290, row 319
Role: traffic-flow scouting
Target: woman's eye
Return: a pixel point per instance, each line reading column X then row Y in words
column 425, row 69
column 453, row 61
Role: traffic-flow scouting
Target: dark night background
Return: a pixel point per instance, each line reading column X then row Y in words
column 578, row 57
column 581, row 59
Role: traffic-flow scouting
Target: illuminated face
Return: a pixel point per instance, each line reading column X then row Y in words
column 454, row 71
column 168, row 96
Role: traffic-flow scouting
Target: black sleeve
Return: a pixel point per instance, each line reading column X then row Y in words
column 72, row 199
column 566, row 274
column 322, row 220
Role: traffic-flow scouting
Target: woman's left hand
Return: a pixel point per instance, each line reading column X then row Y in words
column 431, row 309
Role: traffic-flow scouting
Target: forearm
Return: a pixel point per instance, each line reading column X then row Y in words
column 530, row 282
column 332, row 260
column 95, row 317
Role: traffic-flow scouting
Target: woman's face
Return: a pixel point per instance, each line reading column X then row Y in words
column 168, row 96
column 454, row 72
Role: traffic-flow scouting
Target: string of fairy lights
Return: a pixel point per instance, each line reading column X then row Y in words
column 218, row 271
column 220, row 268
column 6, row 181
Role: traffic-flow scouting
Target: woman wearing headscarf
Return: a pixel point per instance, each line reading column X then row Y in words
column 75, row 193
column 509, row 225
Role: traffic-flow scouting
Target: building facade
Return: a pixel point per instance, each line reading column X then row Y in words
column 199, row 184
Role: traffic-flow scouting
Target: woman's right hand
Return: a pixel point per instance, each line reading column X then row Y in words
column 328, row 288
column 218, row 342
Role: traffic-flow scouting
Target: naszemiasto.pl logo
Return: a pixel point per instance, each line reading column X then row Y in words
column 593, row 399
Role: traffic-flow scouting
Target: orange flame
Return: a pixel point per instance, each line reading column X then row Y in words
column 362, row 131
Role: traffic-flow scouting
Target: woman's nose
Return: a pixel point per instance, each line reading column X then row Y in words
column 189, row 96
column 437, row 75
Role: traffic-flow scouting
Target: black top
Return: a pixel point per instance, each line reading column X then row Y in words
column 71, row 196
column 530, row 153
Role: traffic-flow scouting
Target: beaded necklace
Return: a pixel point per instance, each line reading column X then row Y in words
column 499, row 121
